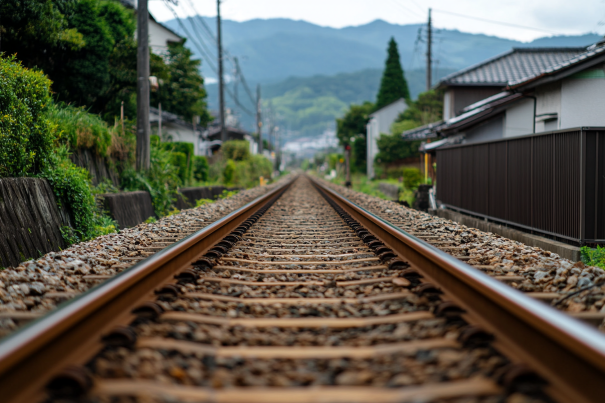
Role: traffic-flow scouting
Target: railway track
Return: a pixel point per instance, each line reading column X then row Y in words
column 303, row 296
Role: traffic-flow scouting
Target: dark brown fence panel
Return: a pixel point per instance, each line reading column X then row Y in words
column 518, row 182
column 543, row 183
column 497, row 179
column 567, row 195
column 551, row 183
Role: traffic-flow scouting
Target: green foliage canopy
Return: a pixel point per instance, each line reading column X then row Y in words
column 393, row 85
column 351, row 130
column 182, row 92
column 237, row 150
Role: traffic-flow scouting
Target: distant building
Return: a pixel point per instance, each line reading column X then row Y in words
column 380, row 122
column 569, row 94
column 159, row 35
column 521, row 92
column 478, row 82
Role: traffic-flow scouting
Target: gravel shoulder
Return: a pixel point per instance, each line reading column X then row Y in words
column 38, row 286
column 568, row 286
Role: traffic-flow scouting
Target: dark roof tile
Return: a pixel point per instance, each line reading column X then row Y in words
column 512, row 66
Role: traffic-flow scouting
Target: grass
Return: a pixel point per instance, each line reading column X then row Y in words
column 593, row 257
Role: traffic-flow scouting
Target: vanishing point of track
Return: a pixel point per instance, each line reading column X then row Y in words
column 302, row 296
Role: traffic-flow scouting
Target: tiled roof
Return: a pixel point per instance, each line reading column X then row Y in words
column 512, row 66
column 592, row 51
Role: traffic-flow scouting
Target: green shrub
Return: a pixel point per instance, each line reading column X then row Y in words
column 248, row 172
column 236, row 150
column 229, row 172
column 81, row 129
column 227, row 194
column 161, row 181
column 179, row 160
column 71, row 186
column 593, row 257
column 200, row 168
column 26, row 135
column 29, row 147
column 412, row 177
column 203, row 202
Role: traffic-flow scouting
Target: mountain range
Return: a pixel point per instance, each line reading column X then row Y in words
column 312, row 73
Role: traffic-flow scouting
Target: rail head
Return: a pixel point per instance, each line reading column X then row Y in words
column 29, row 355
column 569, row 354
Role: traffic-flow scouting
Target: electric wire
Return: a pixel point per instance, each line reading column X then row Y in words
column 496, row 22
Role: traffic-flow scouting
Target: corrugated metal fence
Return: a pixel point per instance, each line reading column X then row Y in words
column 552, row 183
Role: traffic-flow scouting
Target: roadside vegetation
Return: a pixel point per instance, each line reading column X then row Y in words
column 397, row 160
column 67, row 71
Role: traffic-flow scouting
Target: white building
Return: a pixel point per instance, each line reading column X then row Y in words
column 380, row 123
column 568, row 95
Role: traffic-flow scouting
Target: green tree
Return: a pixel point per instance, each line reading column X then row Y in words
column 351, row 130
column 393, row 148
column 428, row 108
column 393, row 85
column 183, row 92
column 35, row 30
column 80, row 76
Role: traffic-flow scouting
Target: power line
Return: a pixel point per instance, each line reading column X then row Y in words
column 202, row 53
column 416, row 14
column 496, row 22
column 243, row 79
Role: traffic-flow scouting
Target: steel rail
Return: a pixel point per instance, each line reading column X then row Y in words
column 72, row 333
column 567, row 353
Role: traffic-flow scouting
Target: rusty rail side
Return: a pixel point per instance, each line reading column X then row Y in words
column 71, row 334
column 567, row 353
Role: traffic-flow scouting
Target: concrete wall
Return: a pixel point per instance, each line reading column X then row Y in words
column 128, row 208
column 562, row 249
column 30, row 221
column 583, row 99
column 519, row 119
column 100, row 168
column 487, row 131
column 548, row 101
column 159, row 37
column 380, row 122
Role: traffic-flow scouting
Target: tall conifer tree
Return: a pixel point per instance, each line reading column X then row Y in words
column 393, row 85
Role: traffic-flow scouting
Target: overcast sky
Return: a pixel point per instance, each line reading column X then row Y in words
column 568, row 17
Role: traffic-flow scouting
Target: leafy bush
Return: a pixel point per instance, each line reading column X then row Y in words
column 248, row 172
column 593, row 257
column 203, row 202
column 28, row 147
column 229, row 172
column 81, row 129
column 26, row 135
column 71, row 186
column 179, row 160
column 200, row 168
column 236, row 150
column 161, row 181
column 412, row 178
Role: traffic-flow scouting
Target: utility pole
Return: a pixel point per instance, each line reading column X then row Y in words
column 143, row 128
column 259, row 122
column 428, row 53
column 221, row 90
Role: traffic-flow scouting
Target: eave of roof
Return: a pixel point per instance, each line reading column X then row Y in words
column 451, row 79
column 596, row 55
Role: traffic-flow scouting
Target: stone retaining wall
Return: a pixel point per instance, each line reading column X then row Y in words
column 128, row 208
column 30, row 222
column 99, row 167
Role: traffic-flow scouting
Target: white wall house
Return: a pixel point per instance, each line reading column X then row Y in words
column 568, row 95
column 380, row 123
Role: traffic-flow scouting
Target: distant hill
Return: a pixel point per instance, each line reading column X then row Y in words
column 275, row 49
column 309, row 105
column 312, row 73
